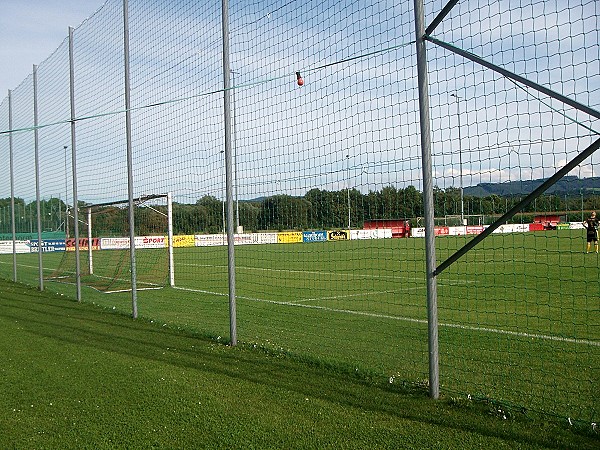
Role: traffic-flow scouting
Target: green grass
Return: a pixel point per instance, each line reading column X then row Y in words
column 519, row 315
column 78, row 376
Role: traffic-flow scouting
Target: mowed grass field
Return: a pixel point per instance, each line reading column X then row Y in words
column 519, row 316
column 77, row 376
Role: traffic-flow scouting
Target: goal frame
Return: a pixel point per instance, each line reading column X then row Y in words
column 138, row 201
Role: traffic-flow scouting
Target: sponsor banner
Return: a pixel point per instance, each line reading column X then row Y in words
column 338, row 235
column 314, row 236
column 562, row 226
column 289, row 237
column 520, row 228
column 507, row 228
column 50, row 245
column 150, row 242
column 6, row 247
column 376, row 233
column 576, row 226
column 441, row 231
column 417, row 232
column 83, row 244
column 245, row 239
column 266, row 238
column 184, row 241
column 121, row 243
column 363, row 234
column 457, row 231
column 384, row 233
column 475, row 229
column 209, row 240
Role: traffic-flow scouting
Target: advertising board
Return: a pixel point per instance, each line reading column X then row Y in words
column 121, row 243
column 50, row 245
column 441, row 231
column 289, row 237
column 245, row 239
column 83, row 244
column 314, row 236
column 150, row 242
column 184, row 241
column 6, row 247
column 209, row 240
column 266, row 238
column 338, row 235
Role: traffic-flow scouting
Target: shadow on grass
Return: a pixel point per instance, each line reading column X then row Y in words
column 87, row 326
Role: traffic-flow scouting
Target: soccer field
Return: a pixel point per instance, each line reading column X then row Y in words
column 519, row 315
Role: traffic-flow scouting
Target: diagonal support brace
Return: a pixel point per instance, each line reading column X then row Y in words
column 507, row 73
column 518, row 207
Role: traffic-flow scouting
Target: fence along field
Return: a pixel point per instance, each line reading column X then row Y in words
column 517, row 314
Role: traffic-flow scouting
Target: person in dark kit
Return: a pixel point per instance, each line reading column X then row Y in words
column 591, row 224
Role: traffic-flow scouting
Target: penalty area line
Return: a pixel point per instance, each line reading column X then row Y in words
column 449, row 282
column 545, row 337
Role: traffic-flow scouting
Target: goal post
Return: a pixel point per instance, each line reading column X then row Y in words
column 108, row 250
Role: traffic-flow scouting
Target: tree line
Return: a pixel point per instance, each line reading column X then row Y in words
column 317, row 209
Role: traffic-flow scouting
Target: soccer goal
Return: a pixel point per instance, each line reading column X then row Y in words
column 105, row 254
column 455, row 220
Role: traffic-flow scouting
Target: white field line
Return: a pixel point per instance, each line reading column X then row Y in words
column 28, row 266
column 546, row 337
column 385, row 316
column 342, row 274
column 360, row 294
column 128, row 290
column 56, row 279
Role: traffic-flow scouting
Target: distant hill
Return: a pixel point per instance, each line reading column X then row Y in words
column 569, row 185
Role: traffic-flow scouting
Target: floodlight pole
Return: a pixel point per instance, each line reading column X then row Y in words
column 66, row 197
column 235, row 172
column 223, row 200
column 462, row 198
column 348, row 188
column 581, row 193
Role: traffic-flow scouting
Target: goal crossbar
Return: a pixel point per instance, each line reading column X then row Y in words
column 138, row 201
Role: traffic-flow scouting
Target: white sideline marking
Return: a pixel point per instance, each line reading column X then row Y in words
column 546, row 337
column 383, row 316
column 360, row 294
column 343, row 274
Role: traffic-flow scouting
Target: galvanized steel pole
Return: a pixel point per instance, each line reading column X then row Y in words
column 37, row 178
column 12, row 187
column 228, row 173
column 89, row 230
column 170, row 237
column 129, row 160
column 432, row 316
column 74, row 166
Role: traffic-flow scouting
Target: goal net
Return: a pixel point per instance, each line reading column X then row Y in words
column 455, row 220
column 105, row 253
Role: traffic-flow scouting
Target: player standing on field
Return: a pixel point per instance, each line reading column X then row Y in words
column 591, row 224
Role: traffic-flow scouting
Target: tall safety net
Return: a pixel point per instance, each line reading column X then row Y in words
column 315, row 148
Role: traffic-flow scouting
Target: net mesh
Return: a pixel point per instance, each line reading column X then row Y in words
column 106, row 262
column 327, row 181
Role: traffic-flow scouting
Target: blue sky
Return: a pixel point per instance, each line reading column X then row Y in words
column 30, row 30
column 353, row 123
